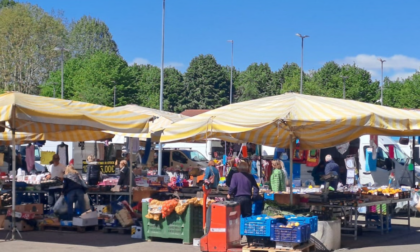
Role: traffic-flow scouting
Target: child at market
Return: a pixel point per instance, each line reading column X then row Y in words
column 278, row 177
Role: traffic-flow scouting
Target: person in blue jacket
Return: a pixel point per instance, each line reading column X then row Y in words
column 212, row 171
column 254, row 166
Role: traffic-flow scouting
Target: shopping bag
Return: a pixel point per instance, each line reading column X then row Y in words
column 60, row 206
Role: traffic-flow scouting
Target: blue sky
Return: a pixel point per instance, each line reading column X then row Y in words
column 356, row 31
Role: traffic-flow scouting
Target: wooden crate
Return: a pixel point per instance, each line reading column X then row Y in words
column 307, row 247
column 58, row 227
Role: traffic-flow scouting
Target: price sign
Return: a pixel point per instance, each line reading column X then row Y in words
column 107, row 167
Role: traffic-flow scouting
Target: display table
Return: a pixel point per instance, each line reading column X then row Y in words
column 351, row 224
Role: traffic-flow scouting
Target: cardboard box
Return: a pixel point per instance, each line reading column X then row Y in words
column 31, row 208
column 136, row 232
column 139, row 195
column 87, row 219
column 2, row 218
column 22, row 226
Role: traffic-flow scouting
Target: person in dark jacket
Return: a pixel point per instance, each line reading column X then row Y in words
column 332, row 167
column 233, row 170
column 93, row 173
column 74, row 189
column 243, row 186
column 125, row 175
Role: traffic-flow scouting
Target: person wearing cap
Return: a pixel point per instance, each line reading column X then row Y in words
column 243, row 186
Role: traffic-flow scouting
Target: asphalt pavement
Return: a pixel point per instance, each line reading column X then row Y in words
column 399, row 239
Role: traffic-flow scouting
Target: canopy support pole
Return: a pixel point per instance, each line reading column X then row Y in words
column 130, row 170
column 292, row 139
column 413, row 161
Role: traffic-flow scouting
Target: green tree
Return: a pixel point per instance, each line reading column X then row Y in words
column 359, row 85
column 175, row 99
column 7, row 3
column 286, row 79
column 207, row 86
column 255, row 82
column 403, row 93
column 89, row 35
column 92, row 79
column 147, row 84
column 28, row 36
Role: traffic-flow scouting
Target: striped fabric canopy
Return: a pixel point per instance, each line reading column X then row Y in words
column 38, row 114
column 163, row 119
column 66, row 136
column 318, row 122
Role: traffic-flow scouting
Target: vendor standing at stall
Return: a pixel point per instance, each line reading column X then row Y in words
column 56, row 170
column 93, row 172
column 243, row 186
column 125, row 175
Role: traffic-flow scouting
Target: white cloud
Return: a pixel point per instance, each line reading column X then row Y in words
column 396, row 62
column 401, row 75
column 397, row 66
column 176, row 65
column 139, row 61
column 143, row 61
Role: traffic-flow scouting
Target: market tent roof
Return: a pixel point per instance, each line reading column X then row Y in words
column 70, row 136
column 38, row 114
column 318, row 122
column 162, row 119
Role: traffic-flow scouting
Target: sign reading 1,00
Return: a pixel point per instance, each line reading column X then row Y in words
column 107, row 167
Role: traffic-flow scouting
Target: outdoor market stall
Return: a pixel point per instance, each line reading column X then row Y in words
column 36, row 114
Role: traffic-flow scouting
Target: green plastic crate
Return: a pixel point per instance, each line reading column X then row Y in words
column 186, row 227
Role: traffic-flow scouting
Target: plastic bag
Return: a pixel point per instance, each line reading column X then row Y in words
column 87, row 202
column 60, row 206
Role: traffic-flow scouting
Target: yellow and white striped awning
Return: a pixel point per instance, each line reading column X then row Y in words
column 162, row 120
column 69, row 136
column 38, row 114
column 318, row 122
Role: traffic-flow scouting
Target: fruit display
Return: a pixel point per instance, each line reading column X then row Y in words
column 385, row 191
column 291, row 225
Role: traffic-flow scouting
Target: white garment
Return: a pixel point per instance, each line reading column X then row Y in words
column 57, row 172
column 62, row 153
column 135, row 146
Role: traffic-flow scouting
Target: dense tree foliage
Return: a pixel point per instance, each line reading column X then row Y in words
column 93, row 68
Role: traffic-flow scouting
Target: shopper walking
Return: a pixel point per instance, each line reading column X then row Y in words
column 212, row 176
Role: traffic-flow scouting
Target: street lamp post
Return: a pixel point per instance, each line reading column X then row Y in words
column 62, row 49
column 231, row 74
column 161, row 83
column 382, row 80
column 344, row 86
column 301, row 67
column 115, row 95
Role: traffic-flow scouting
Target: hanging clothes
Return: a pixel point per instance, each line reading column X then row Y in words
column 147, row 151
column 63, row 153
column 101, row 151
column 30, row 157
column 135, row 146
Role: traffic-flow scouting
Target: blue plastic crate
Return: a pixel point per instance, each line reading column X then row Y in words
column 269, row 196
column 312, row 221
column 259, row 225
column 257, row 207
column 298, row 234
column 376, row 219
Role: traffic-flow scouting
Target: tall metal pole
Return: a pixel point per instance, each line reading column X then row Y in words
column 301, row 67
column 382, row 80
column 301, row 70
column 344, row 86
column 231, row 74
column 115, row 95
column 62, row 73
column 161, row 83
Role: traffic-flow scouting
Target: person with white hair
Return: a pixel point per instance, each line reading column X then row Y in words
column 331, row 167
